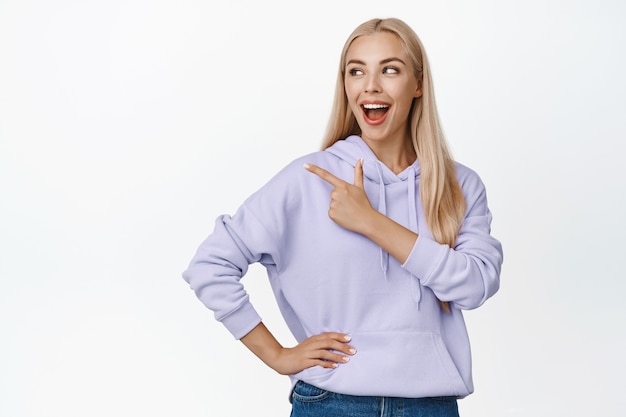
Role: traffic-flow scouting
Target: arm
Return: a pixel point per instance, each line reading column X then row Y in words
column 351, row 209
column 469, row 273
column 318, row 350
column 466, row 275
column 215, row 274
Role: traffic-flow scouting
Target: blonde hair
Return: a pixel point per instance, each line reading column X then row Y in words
column 442, row 198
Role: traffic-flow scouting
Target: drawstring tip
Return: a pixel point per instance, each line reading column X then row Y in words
column 416, row 290
column 384, row 262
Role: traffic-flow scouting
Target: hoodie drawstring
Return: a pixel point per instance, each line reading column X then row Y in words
column 416, row 290
column 382, row 208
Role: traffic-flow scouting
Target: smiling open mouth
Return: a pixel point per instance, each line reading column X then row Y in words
column 375, row 111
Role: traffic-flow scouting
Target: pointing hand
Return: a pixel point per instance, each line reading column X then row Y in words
column 349, row 205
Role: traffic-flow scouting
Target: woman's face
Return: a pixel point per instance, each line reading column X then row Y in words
column 380, row 87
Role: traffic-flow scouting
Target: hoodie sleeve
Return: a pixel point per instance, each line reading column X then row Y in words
column 468, row 274
column 220, row 262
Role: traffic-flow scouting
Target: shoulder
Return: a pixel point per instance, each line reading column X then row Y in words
column 292, row 179
column 295, row 168
column 294, row 171
column 469, row 180
column 313, row 157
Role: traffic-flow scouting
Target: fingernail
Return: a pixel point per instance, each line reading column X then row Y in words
column 345, row 359
column 352, row 350
column 334, row 365
column 347, row 337
column 306, row 166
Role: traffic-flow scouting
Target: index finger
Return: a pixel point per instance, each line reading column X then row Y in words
column 342, row 337
column 325, row 175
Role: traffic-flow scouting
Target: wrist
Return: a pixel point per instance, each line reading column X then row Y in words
column 373, row 224
column 264, row 345
column 273, row 359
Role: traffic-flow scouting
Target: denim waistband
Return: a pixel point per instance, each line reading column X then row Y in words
column 310, row 401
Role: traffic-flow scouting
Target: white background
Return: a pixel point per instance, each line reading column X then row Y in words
column 126, row 127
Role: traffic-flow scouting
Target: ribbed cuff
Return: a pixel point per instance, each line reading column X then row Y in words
column 424, row 258
column 242, row 321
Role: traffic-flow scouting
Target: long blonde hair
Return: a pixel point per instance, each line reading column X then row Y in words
column 442, row 198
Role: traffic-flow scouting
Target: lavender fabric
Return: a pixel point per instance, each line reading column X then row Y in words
column 326, row 278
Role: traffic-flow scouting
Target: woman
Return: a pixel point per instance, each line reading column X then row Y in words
column 372, row 250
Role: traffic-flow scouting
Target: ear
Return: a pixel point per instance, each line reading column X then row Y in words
column 418, row 90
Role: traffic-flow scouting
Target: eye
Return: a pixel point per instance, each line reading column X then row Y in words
column 390, row 70
column 355, row 72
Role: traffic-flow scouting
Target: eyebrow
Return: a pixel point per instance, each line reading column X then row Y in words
column 384, row 61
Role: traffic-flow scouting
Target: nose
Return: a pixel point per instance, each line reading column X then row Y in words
column 372, row 85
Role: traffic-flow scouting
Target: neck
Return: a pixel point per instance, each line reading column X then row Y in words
column 396, row 156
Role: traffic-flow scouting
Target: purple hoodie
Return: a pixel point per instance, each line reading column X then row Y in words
column 326, row 278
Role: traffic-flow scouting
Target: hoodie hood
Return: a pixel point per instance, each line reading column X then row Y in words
column 354, row 148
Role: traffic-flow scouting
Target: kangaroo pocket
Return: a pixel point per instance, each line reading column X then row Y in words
column 401, row 364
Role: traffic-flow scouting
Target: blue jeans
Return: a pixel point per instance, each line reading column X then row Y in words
column 310, row 401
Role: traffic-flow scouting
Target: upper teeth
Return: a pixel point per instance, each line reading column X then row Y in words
column 375, row 106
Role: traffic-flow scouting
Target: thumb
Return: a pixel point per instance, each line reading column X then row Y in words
column 358, row 173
